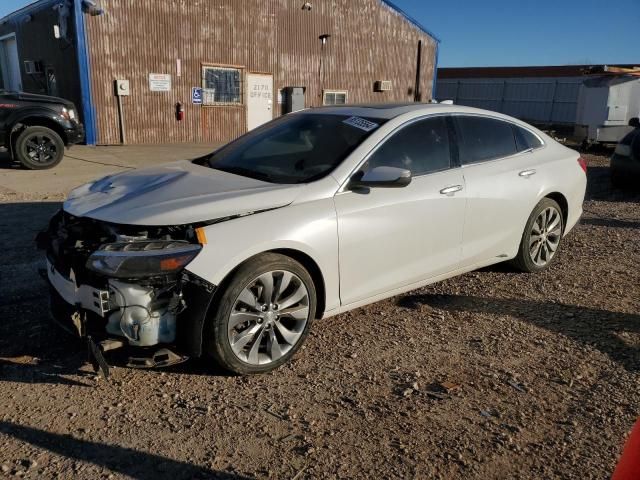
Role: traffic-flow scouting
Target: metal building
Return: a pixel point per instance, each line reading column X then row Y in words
column 559, row 97
column 164, row 71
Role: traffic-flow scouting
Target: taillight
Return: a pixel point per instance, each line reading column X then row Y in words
column 583, row 164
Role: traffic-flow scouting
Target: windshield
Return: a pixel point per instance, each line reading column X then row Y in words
column 298, row 148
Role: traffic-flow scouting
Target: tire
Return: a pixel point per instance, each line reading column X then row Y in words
column 243, row 334
column 546, row 218
column 39, row 148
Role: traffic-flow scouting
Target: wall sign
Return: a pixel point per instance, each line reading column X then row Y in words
column 160, row 82
column 196, row 95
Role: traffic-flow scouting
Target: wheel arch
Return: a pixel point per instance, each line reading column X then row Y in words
column 313, row 268
column 197, row 328
column 301, row 257
column 561, row 200
column 37, row 121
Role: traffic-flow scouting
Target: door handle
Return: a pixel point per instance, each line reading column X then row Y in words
column 451, row 190
column 527, row 173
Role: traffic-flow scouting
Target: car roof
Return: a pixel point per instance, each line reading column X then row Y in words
column 388, row 111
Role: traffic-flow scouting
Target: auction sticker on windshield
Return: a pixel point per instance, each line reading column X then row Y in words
column 361, row 123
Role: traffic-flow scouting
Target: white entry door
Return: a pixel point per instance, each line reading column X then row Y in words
column 259, row 99
column 10, row 62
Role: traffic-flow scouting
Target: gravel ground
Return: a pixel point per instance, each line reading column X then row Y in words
column 493, row 374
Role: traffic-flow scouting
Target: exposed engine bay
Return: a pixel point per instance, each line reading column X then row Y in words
column 126, row 283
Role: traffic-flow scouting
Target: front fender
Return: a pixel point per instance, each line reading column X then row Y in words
column 310, row 228
column 32, row 114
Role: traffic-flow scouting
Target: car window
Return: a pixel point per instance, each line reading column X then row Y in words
column 526, row 139
column 297, row 148
column 482, row 138
column 421, row 147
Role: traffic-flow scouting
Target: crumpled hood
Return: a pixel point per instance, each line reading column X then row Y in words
column 175, row 194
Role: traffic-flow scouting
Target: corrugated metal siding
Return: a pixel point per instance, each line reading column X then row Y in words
column 537, row 100
column 369, row 41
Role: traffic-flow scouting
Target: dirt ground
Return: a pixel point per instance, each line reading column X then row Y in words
column 491, row 375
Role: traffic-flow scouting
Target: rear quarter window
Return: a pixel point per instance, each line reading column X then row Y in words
column 482, row 138
column 525, row 139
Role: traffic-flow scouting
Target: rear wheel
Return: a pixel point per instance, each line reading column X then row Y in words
column 39, row 148
column 541, row 238
column 263, row 316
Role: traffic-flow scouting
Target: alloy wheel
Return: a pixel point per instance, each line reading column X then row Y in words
column 545, row 236
column 268, row 318
column 41, row 148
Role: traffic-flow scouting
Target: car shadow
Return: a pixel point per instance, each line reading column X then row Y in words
column 121, row 460
column 610, row 222
column 32, row 348
column 8, row 163
column 601, row 329
column 36, row 369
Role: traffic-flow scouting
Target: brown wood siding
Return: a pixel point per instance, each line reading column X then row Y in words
column 369, row 41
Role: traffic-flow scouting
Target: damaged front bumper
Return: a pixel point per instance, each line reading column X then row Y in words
column 160, row 320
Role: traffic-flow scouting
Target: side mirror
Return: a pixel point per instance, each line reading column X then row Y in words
column 634, row 122
column 382, row 177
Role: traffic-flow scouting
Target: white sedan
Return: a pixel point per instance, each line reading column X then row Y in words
column 233, row 255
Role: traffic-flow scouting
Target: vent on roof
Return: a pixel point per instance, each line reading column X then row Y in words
column 382, row 86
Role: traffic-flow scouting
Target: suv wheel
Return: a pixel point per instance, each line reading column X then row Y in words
column 263, row 315
column 39, row 148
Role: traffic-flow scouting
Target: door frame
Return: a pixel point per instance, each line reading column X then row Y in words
column 247, row 74
column 4, row 58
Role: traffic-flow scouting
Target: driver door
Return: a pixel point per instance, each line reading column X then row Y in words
column 390, row 238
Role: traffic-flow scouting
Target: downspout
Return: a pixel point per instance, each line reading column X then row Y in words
column 435, row 73
column 84, row 67
column 417, row 97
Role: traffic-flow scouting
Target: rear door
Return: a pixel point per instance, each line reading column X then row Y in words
column 393, row 237
column 501, row 171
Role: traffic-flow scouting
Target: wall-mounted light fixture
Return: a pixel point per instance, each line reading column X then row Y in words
column 90, row 7
column 307, row 6
column 324, row 38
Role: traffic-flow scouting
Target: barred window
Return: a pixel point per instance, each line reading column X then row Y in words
column 221, row 85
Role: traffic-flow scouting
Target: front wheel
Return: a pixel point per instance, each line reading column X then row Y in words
column 541, row 238
column 39, row 148
column 263, row 315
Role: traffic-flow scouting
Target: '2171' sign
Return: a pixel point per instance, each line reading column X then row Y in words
column 261, row 91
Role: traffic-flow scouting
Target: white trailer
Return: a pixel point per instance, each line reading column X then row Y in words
column 606, row 106
column 584, row 103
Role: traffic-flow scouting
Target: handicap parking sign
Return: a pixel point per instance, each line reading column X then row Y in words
column 196, row 95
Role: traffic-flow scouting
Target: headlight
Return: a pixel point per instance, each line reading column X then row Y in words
column 142, row 258
column 69, row 113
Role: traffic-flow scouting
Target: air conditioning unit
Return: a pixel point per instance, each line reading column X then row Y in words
column 32, row 68
column 383, row 86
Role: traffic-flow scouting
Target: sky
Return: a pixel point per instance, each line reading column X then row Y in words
column 519, row 32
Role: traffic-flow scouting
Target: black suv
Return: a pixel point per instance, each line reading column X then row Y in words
column 625, row 161
column 35, row 129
